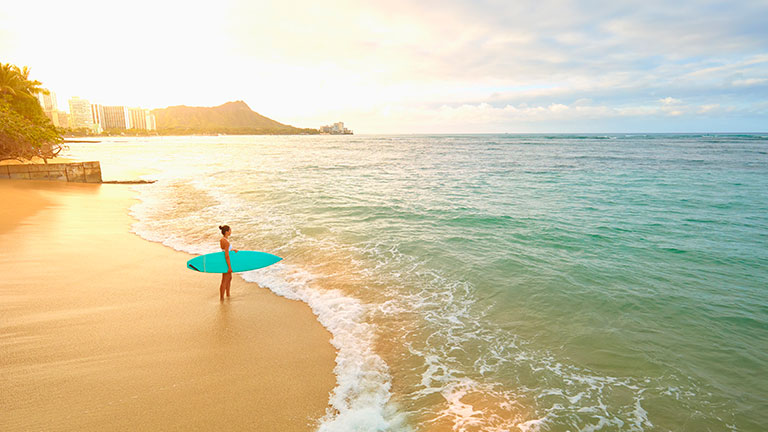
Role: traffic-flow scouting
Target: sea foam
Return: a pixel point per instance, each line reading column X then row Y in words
column 361, row 400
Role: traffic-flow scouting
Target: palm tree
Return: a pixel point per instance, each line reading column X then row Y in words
column 10, row 81
column 16, row 83
column 25, row 131
column 31, row 87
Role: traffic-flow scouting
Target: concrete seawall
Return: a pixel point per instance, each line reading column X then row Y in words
column 78, row 172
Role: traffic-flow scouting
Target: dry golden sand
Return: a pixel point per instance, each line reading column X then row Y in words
column 101, row 330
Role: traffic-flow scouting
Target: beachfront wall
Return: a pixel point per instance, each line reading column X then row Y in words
column 78, row 172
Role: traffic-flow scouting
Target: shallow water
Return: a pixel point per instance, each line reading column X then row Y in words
column 496, row 282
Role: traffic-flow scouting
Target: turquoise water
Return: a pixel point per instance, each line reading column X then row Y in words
column 496, row 282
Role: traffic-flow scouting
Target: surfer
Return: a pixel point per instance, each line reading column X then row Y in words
column 226, row 278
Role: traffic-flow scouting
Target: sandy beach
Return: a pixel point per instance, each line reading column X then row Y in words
column 102, row 330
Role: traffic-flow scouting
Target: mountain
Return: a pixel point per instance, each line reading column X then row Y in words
column 230, row 118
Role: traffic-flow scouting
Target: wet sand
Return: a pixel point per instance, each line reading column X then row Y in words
column 102, row 330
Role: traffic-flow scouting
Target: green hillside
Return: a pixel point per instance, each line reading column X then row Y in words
column 229, row 118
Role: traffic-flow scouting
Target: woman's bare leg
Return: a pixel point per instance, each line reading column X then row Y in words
column 229, row 283
column 223, row 286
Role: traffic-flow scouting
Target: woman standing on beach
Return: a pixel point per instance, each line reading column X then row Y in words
column 226, row 278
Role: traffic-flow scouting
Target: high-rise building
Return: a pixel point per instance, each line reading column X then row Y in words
column 53, row 116
column 62, row 118
column 116, row 117
column 80, row 113
column 142, row 119
column 335, row 129
column 138, row 118
column 97, row 117
column 47, row 101
column 151, row 121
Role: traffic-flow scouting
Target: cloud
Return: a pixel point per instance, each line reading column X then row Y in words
column 483, row 117
column 708, row 108
column 669, row 101
column 749, row 82
column 311, row 62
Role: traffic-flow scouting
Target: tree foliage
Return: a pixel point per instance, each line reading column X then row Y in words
column 25, row 131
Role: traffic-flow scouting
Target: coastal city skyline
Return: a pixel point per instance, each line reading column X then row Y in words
column 94, row 117
column 97, row 118
column 399, row 67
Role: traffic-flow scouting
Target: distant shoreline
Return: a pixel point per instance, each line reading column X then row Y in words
column 129, row 133
column 74, row 138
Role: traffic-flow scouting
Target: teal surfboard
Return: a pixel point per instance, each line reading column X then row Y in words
column 241, row 261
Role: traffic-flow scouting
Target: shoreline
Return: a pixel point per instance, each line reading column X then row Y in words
column 105, row 330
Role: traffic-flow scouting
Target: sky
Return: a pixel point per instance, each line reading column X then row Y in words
column 449, row 66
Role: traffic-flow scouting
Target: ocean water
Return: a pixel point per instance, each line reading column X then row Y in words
column 495, row 282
